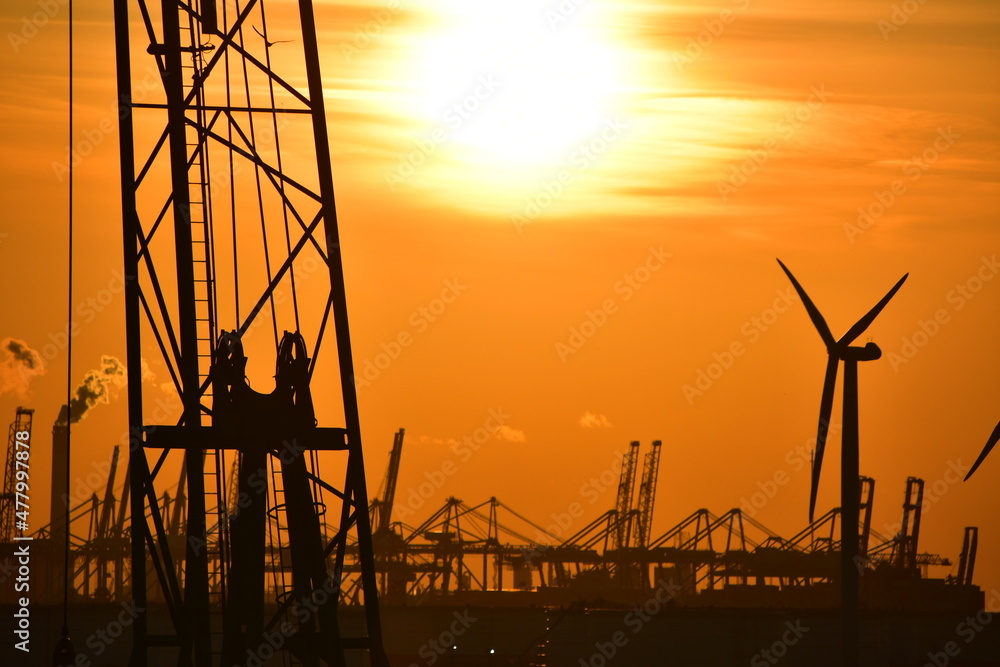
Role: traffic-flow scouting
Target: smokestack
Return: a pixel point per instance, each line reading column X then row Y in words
column 60, row 482
column 97, row 387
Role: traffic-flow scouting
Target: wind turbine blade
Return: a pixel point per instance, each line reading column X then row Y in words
column 814, row 314
column 825, row 413
column 862, row 324
column 994, row 437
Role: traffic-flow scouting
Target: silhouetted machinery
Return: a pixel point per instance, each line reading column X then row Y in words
column 20, row 432
column 222, row 230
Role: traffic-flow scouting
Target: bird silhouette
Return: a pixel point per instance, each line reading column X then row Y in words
column 268, row 44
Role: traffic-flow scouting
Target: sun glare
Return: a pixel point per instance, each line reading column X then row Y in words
column 514, row 83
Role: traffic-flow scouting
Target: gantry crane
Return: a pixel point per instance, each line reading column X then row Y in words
column 232, row 256
column 967, row 559
column 20, row 431
column 908, row 541
column 623, row 503
column 390, row 546
column 647, row 496
column 382, row 507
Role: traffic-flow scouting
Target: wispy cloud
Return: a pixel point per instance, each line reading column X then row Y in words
column 593, row 420
column 510, row 434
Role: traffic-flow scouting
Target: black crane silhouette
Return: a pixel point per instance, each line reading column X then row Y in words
column 268, row 44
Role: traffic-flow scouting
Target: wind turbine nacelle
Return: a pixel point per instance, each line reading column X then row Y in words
column 869, row 352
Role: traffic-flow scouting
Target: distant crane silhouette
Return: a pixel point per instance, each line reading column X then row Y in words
column 269, row 44
column 842, row 350
column 990, row 443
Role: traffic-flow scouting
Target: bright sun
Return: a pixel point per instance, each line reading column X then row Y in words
column 512, row 82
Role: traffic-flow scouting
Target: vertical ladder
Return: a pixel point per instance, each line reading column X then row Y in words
column 281, row 567
column 200, row 209
column 199, row 216
column 217, row 518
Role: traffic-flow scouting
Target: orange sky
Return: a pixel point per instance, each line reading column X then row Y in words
column 600, row 145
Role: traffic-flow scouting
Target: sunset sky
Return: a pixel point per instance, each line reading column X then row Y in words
column 596, row 192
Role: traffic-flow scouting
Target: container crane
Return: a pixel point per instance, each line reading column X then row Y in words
column 382, row 507
column 967, row 561
column 647, row 496
column 623, row 504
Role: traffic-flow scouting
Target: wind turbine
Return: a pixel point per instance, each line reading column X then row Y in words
column 842, row 351
column 994, row 437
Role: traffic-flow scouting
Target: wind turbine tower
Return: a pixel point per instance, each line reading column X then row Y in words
column 841, row 350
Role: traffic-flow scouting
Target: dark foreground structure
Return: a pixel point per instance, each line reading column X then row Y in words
column 268, row 550
column 650, row 636
column 467, row 586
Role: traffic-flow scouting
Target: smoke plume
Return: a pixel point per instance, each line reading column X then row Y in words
column 19, row 365
column 98, row 386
